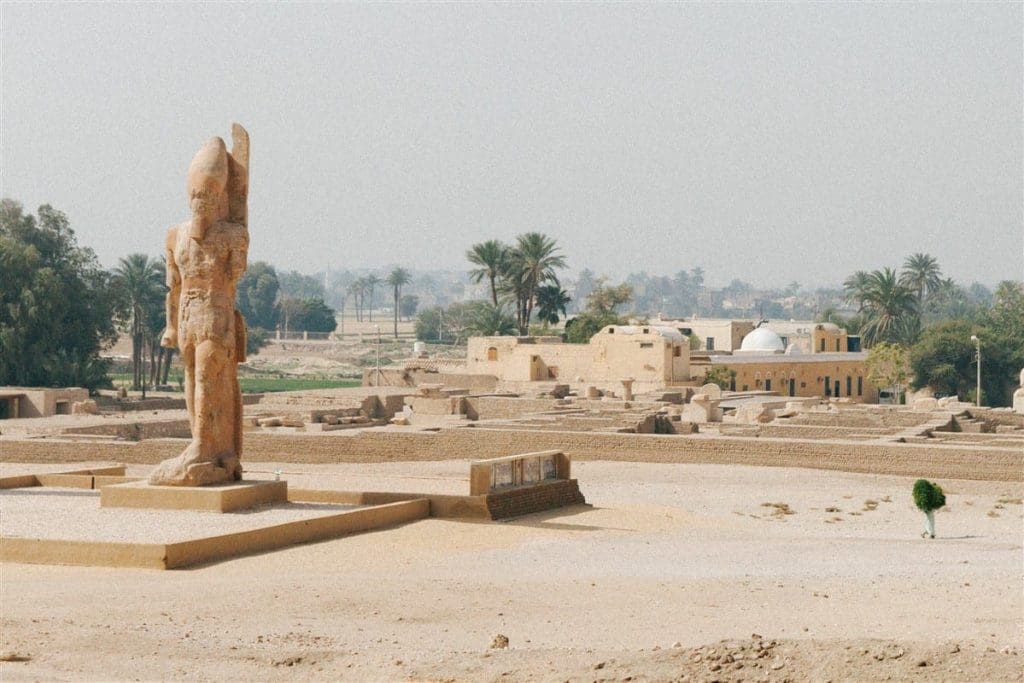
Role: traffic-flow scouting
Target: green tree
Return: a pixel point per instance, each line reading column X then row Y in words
column 1001, row 331
column 139, row 285
column 357, row 292
column 491, row 259
column 488, row 320
column 289, row 313
column 722, row 376
column 257, row 296
column 1007, row 311
column 922, row 274
column 409, row 303
column 889, row 310
column 830, row 315
column 300, row 286
column 856, row 288
column 580, row 329
column 371, row 283
column 255, row 339
column 56, row 303
column 948, row 301
column 551, row 302
column 398, row 278
column 443, row 325
column 605, row 299
column 598, row 312
column 156, row 321
column 943, row 359
column 887, row 366
column 312, row 315
column 534, row 262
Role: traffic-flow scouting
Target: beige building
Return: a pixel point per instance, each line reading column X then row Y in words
column 765, row 362
column 658, row 356
column 718, row 335
column 653, row 356
column 828, row 375
column 38, row 402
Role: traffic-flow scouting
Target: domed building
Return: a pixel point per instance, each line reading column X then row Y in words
column 762, row 340
column 816, row 363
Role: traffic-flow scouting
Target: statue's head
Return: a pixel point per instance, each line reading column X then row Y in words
column 207, row 187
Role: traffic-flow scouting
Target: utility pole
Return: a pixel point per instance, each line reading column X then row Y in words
column 378, row 354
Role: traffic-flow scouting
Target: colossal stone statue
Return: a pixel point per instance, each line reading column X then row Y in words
column 205, row 258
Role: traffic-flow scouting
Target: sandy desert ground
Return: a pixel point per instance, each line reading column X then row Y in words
column 676, row 572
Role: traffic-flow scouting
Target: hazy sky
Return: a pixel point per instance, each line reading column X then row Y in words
column 772, row 142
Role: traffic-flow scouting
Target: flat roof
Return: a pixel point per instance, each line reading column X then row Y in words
column 762, row 358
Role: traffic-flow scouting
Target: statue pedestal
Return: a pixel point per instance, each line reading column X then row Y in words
column 237, row 495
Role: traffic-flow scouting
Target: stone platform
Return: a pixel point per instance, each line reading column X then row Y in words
column 239, row 495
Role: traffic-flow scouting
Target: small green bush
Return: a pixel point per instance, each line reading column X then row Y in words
column 928, row 496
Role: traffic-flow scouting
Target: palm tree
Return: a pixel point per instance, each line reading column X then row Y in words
column 397, row 279
column 371, row 282
column 890, row 310
column 491, row 258
column 947, row 301
column 356, row 290
column 488, row 320
column 140, row 284
column 536, row 257
column 551, row 301
column 512, row 286
column 922, row 274
column 856, row 286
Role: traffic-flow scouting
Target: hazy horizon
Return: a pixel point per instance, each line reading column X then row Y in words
column 771, row 143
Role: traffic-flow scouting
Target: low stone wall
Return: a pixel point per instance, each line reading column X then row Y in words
column 135, row 405
column 506, row 408
column 796, row 431
column 499, row 408
column 998, row 417
column 864, row 418
column 137, row 431
column 934, row 461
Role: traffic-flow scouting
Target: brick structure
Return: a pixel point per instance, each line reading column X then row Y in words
column 536, row 498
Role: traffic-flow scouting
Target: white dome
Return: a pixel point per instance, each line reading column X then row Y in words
column 763, row 340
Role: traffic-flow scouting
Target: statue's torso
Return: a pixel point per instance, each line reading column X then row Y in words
column 209, row 271
column 206, row 264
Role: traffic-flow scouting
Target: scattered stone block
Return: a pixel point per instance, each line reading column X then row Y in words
column 711, row 390
column 86, row 407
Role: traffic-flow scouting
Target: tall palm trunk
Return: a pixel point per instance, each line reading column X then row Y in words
column 136, row 356
column 155, row 358
column 396, row 310
column 166, row 355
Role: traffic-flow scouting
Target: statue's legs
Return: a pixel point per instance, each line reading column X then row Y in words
column 215, row 416
column 188, row 362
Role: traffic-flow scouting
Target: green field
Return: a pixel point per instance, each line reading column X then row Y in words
column 256, row 384
column 259, row 385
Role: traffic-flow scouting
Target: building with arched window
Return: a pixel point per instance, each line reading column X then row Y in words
column 653, row 356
